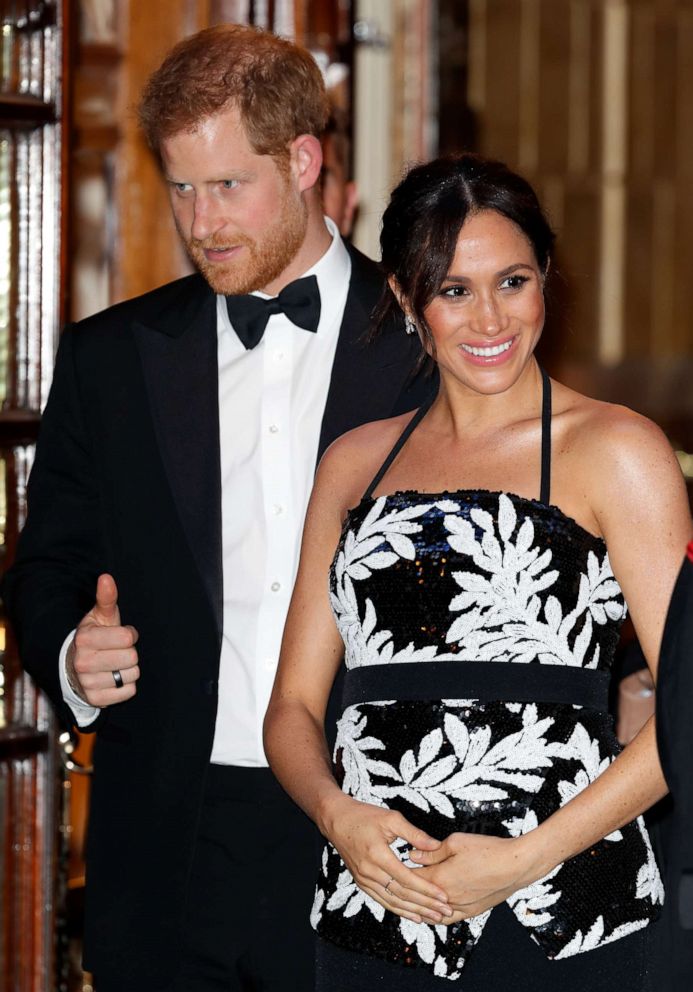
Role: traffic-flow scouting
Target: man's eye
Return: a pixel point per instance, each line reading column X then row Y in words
column 229, row 183
column 182, row 187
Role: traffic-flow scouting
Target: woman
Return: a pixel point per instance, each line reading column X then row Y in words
column 480, row 611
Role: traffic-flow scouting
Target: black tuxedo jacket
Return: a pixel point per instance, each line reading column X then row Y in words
column 675, row 739
column 127, row 480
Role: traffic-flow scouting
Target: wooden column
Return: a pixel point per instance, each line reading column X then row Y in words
column 32, row 90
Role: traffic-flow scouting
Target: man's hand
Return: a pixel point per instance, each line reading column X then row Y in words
column 102, row 653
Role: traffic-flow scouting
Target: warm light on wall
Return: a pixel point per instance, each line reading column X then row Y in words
column 686, row 463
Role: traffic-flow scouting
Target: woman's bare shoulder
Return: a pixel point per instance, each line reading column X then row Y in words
column 611, row 440
column 351, row 462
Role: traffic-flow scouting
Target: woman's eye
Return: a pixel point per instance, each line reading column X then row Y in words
column 454, row 292
column 514, row 282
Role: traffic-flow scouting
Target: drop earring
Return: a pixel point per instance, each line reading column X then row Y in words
column 409, row 325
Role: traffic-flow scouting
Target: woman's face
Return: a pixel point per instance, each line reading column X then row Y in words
column 489, row 312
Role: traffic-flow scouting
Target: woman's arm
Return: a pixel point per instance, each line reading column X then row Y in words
column 294, row 735
column 641, row 504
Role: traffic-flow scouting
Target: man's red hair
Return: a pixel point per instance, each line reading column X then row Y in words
column 275, row 85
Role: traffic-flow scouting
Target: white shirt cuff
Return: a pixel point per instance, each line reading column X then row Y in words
column 83, row 712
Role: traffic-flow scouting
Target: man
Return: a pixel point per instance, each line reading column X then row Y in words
column 165, row 510
column 675, row 738
column 340, row 195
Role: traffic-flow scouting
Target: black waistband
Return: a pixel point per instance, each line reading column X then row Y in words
column 487, row 681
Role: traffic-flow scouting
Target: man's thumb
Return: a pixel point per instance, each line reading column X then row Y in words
column 106, row 609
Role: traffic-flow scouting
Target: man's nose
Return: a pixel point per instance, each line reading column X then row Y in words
column 206, row 218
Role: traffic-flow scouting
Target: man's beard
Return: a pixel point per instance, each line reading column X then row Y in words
column 262, row 260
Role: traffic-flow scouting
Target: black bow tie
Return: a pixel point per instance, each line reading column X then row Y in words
column 300, row 301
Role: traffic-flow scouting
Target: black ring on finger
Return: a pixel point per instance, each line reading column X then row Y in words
column 118, row 679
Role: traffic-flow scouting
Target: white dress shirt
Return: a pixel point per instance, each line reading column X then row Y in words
column 271, row 403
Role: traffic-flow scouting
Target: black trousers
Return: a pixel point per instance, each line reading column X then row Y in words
column 505, row 960
column 247, row 919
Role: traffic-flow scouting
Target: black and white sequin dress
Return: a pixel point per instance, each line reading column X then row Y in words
column 479, row 630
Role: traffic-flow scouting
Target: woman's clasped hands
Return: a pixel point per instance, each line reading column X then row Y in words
column 478, row 871
column 362, row 834
column 458, row 878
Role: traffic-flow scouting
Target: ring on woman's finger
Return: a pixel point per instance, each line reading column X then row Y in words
column 387, row 887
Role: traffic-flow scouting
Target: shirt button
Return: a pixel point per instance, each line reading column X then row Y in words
column 278, row 356
column 276, row 586
column 269, row 664
column 273, row 429
column 277, row 509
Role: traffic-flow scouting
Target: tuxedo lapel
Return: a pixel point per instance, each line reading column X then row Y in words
column 367, row 377
column 178, row 352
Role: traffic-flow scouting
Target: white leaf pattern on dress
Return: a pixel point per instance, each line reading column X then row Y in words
column 358, row 764
column 421, row 936
column 355, row 562
column 584, row 942
column 595, row 937
column 582, row 748
column 500, row 611
column 475, row 771
column 507, row 607
column 531, row 902
column 348, row 897
column 649, row 883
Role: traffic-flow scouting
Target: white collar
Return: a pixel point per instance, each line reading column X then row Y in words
column 332, row 270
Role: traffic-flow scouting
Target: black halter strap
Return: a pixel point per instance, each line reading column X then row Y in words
column 545, row 490
column 399, row 444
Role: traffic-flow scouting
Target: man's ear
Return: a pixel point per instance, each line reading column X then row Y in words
column 306, row 161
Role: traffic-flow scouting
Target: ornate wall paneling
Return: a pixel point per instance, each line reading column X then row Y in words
column 395, row 58
column 98, row 51
column 534, row 90
column 593, row 101
column 31, row 126
column 455, row 121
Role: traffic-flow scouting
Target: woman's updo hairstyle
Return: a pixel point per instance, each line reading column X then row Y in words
column 423, row 220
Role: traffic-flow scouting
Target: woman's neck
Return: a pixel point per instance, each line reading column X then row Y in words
column 462, row 411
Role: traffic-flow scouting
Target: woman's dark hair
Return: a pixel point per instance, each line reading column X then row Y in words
column 426, row 212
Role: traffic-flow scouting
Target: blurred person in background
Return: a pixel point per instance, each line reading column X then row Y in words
column 675, row 739
column 166, row 502
column 483, row 824
column 340, row 195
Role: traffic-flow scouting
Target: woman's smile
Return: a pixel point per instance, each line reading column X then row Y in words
column 489, row 354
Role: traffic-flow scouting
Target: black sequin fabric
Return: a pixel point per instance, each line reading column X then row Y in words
column 477, row 576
